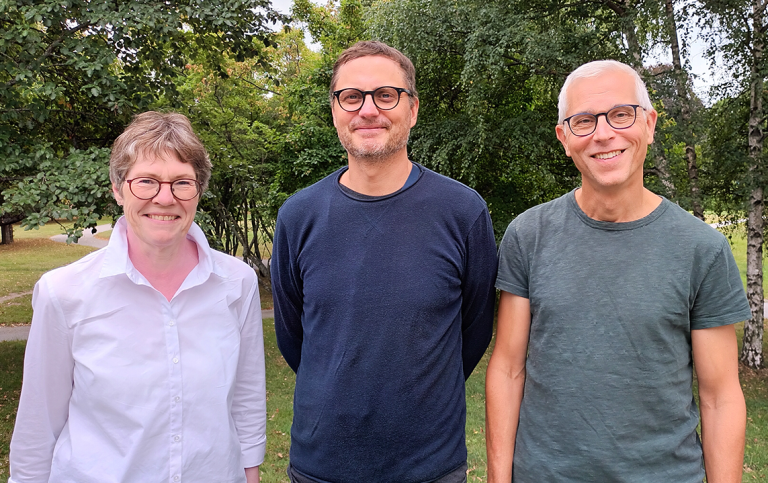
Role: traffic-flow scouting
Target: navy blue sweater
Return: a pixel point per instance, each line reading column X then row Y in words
column 382, row 308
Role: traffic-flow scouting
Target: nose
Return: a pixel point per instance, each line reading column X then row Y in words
column 603, row 130
column 368, row 108
column 165, row 195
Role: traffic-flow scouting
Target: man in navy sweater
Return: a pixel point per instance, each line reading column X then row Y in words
column 382, row 278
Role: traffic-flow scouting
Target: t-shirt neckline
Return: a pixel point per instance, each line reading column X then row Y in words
column 617, row 226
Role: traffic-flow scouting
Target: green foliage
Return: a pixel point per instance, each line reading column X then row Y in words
column 74, row 72
column 488, row 75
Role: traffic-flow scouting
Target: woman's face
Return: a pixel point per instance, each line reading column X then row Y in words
column 162, row 221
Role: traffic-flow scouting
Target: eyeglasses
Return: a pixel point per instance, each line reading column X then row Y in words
column 384, row 98
column 148, row 188
column 620, row 117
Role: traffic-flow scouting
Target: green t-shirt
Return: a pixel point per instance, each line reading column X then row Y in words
column 608, row 389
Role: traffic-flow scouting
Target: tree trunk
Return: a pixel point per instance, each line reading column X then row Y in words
column 7, row 234
column 752, row 349
column 681, row 83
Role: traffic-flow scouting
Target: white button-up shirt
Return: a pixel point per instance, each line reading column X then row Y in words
column 122, row 385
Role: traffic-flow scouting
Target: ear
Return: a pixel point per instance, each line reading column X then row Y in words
column 650, row 120
column 560, row 132
column 414, row 111
column 118, row 196
column 333, row 114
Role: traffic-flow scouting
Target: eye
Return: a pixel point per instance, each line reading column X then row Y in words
column 350, row 96
column 184, row 183
column 145, row 181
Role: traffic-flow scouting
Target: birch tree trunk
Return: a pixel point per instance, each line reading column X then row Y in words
column 681, row 84
column 752, row 349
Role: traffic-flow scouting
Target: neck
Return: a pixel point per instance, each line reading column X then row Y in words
column 165, row 268
column 618, row 205
column 378, row 177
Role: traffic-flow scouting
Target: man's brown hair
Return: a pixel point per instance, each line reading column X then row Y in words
column 368, row 48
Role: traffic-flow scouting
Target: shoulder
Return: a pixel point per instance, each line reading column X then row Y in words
column 309, row 197
column 683, row 227
column 451, row 189
column 546, row 215
column 81, row 271
column 232, row 268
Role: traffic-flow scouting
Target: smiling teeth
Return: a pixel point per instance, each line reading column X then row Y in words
column 162, row 218
column 607, row 155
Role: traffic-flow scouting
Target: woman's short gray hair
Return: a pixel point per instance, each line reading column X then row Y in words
column 594, row 69
column 158, row 133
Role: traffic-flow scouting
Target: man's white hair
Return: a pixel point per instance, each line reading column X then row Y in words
column 595, row 69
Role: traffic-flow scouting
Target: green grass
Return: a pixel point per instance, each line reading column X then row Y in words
column 755, row 387
column 26, row 259
column 16, row 311
column 11, row 360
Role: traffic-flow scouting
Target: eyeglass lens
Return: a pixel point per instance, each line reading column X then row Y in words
column 384, row 98
column 620, row 117
column 148, row 188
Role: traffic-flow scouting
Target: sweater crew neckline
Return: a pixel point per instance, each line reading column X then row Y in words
column 416, row 172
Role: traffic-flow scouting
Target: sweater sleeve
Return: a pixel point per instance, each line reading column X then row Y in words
column 478, row 294
column 288, row 297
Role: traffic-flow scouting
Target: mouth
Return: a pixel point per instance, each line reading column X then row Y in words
column 162, row 217
column 610, row 155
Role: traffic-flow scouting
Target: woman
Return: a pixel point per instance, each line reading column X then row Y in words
column 145, row 360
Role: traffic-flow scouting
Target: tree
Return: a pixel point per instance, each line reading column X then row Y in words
column 244, row 124
column 736, row 31
column 73, row 73
column 488, row 75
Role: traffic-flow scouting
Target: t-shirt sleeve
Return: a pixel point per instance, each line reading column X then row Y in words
column 720, row 299
column 512, row 275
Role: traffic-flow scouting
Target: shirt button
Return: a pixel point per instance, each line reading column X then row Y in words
column 175, row 360
column 172, row 323
column 177, row 438
column 176, row 478
column 176, row 399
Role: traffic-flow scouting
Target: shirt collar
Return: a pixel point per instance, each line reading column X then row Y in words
column 117, row 262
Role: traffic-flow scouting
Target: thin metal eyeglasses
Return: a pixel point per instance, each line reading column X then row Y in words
column 620, row 117
column 148, row 188
column 384, row 98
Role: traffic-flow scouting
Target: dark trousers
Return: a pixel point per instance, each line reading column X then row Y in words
column 459, row 475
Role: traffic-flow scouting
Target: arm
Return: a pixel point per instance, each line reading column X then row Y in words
column 478, row 294
column 723, row 411
column 504, row 384
column 287, row 295
column 249, row 400
column 252, row 475
column 46, row 390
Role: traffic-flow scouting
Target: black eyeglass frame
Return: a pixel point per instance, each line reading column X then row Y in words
column 160, row 187
column 634, row 107
column 399, row 91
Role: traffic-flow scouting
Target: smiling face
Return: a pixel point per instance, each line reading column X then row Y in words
column 371, row 134
column 163, row 221
column 608, row 159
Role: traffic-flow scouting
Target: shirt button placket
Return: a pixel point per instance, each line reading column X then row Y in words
column 175, row 397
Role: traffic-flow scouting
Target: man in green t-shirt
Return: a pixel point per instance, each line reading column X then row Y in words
column 609, row 294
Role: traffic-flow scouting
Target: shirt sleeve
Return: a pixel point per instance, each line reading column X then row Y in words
column 249, row 402
column 720, row 298
column 478, row 295
column 513, row 271
column 46, row 389
column 287, row 296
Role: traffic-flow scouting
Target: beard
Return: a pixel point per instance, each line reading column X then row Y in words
column 375, row 150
